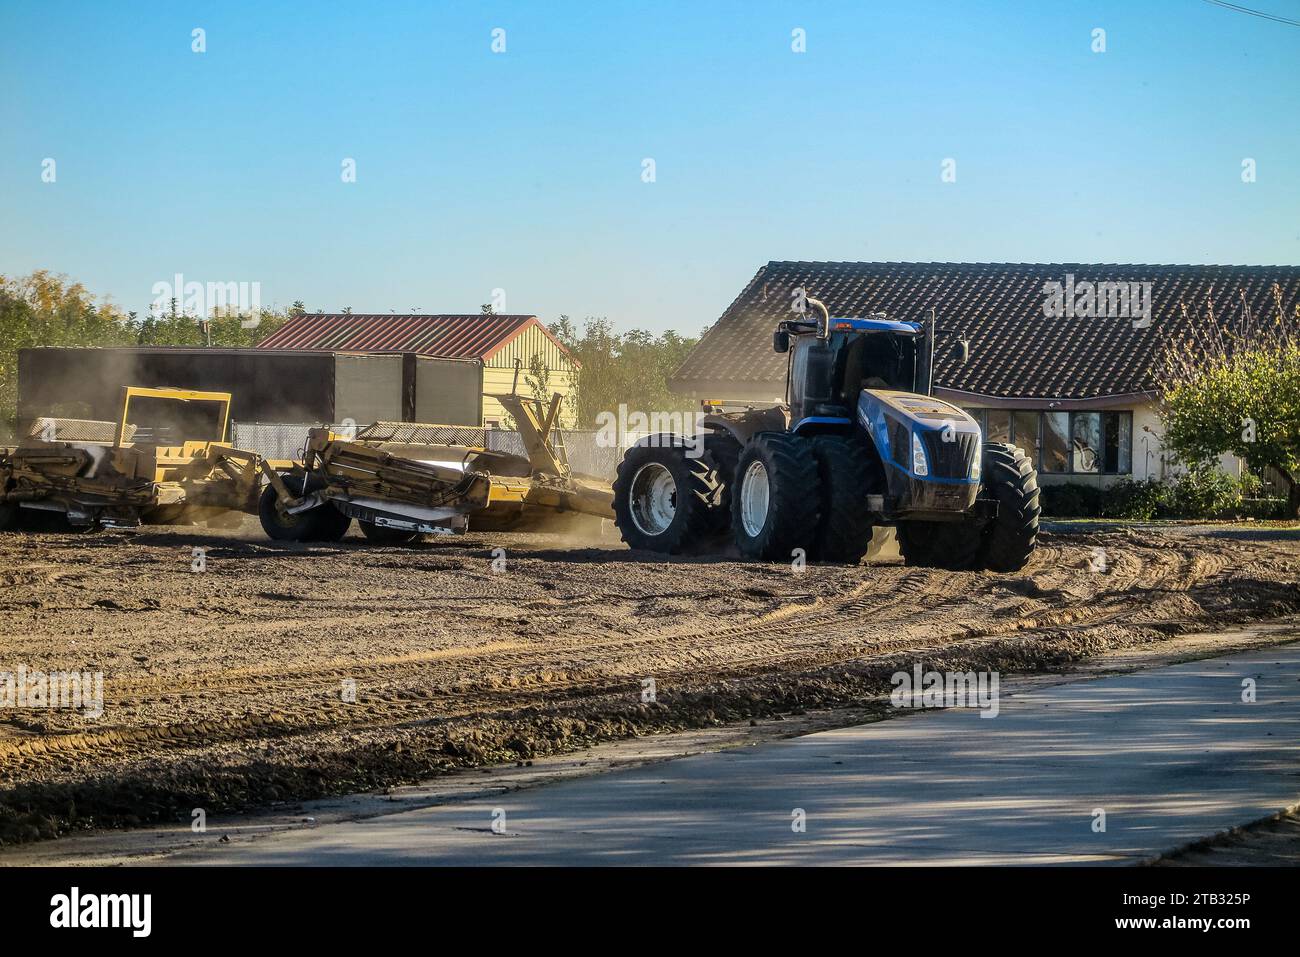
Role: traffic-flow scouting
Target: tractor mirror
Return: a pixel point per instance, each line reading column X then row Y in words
column 781, row 341
column 963, row 350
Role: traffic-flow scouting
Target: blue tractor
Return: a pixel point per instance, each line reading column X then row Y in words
column 860, row 442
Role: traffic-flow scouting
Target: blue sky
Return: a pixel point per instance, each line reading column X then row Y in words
column 523, row 170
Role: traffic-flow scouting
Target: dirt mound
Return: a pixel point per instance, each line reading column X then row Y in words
column 284, row 672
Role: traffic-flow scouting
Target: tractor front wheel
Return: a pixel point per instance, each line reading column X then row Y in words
column 776, row 498
column 848, row 475
column 1009, row 477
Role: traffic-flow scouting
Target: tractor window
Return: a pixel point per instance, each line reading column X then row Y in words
column 811, row 372
column 879, row 360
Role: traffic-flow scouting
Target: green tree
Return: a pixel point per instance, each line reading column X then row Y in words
column 538, row 379
column 227, row 329
column 630, row 368
column 46, row 309
column 1237, row 390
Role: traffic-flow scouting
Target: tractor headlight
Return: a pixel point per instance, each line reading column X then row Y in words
column 919, row 465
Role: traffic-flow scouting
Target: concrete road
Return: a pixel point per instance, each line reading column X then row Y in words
column 1170, row 755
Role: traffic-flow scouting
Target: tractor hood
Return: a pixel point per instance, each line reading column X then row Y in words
column 921, row 412
column 931, row 449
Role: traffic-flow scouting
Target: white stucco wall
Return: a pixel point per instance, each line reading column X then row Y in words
column 1150, row 460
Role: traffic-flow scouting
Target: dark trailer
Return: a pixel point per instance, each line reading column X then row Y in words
column 266, row 385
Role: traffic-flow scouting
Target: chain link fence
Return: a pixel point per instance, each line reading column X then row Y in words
column 416, row 433
column 50, row 429
column 273, row 440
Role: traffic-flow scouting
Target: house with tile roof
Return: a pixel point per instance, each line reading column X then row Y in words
column 496, row 341
column 1061, row 354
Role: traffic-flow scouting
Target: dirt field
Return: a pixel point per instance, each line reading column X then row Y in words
column 225, row 689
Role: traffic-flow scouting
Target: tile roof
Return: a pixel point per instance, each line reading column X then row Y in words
column 451, row 337
column 1016, row 351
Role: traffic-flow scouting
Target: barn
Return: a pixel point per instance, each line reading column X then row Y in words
column 495, row 343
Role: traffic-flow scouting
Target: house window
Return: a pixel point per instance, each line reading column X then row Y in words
column 997, row 426
column 1118, row 443
column 1085, row 442
column 1056, row 442
column 1064, row 443
column 1025, row 434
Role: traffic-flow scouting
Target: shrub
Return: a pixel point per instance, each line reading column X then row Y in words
column 1071, row 500
column 1264, row 508
column 1135, row 500
column 1203, row 493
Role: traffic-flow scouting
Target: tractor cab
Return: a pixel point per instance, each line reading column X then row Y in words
column 833, row 360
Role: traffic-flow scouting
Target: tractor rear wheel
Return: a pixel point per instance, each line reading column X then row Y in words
column 8, row 516
column 845, row 469
column 386, row 534
column 721, row 454
column 662, row 499
column 1009, row 477
column 776, row 498
column 954, row 546
column 324, row 523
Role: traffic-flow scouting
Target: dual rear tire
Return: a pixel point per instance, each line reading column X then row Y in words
column 786, row 493
column 849, row 471
column 664, row 499
column 780, row 494
column 776, row 498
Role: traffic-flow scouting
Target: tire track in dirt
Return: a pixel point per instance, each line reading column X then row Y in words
column 775, row 625
column 765, row 653
column 235, row 680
